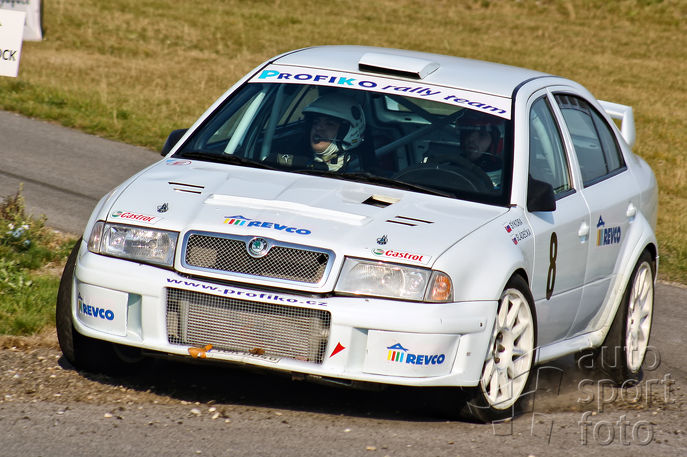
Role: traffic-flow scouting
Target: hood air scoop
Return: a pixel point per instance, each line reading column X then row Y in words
column 381, row 201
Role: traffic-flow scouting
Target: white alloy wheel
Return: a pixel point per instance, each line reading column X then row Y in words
column 510, row 354
column 639, row 314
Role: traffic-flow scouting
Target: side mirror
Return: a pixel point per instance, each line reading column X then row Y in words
column 172, row 140
column 540, row 196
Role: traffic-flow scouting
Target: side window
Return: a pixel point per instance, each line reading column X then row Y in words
column 595, row 145
column 547, row 156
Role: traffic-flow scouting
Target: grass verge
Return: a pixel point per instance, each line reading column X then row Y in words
column 31, row 259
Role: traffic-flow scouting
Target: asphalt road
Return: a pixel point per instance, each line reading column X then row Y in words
column 573, row 411
column 64, row 172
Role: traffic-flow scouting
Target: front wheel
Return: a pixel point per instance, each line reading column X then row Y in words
column 81, row 351
column 623, row 351
column 509, row 358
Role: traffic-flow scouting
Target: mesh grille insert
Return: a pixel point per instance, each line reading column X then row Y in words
column 230, row 255
column 229, row 324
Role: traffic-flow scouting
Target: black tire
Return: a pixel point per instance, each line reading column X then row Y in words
column 618, row 358
column 492, row 399
column 63, row 309
column 81, row 351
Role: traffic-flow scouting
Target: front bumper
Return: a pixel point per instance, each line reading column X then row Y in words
column 366, row 340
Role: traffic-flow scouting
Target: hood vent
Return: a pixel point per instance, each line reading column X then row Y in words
column 189, row 188
column 380, row 201
column 410, row 221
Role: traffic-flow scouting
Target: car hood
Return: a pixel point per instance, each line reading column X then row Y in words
column 349, row 218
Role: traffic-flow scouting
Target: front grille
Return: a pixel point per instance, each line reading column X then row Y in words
column 229, row 254
column 229, row 324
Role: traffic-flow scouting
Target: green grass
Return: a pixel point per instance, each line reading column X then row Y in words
column 134, row 70
column 30, row 257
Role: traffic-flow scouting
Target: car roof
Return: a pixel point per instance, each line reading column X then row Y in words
column 475, row 75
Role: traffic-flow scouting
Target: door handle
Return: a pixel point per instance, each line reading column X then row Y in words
column 583, row 231
column 631, row 211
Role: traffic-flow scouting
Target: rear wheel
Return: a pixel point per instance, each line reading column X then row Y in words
column 508, row 361
column 81, row 351
column 623, row 351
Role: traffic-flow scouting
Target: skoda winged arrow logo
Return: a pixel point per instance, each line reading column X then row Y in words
column 258, row 247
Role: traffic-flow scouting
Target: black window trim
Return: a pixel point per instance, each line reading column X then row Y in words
column 609, row 175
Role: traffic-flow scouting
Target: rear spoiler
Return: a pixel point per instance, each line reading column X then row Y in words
column 627, row 119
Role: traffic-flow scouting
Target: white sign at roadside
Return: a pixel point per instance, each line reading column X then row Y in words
column 33, row 25
column 11, row 32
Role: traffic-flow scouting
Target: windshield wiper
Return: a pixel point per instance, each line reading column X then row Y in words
column 369, row 178
column 389, row 182
column 224, row 158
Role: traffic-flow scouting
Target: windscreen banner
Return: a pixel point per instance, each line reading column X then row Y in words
column 487, row 103
column 11, row 30
column 33, row 25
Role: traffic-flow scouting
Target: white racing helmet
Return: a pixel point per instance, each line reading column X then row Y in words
column 345, row 109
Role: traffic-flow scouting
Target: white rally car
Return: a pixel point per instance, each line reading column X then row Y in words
column 368, row 215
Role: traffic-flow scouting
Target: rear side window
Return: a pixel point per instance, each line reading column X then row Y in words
column 595, row 144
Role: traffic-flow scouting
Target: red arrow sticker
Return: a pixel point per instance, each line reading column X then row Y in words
column 339, row 347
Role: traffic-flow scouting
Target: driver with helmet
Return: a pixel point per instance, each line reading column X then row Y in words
column 337, row 125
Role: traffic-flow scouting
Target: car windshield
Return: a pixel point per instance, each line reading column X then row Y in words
column 389, row 139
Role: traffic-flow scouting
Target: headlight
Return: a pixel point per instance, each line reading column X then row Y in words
column 133, row 243
column 381, row 279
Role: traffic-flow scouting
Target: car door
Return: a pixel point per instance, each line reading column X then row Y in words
column 607, row 186
column 560, row 236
